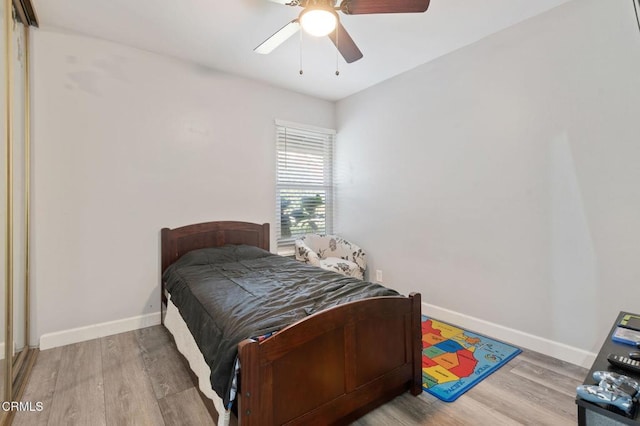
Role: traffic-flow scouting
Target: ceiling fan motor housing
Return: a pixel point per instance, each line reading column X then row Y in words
column 317, row 4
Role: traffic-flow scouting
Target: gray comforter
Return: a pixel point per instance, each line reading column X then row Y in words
column 231, row 293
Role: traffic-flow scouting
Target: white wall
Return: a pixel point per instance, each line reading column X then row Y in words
column 502, row 181
column 127, row 142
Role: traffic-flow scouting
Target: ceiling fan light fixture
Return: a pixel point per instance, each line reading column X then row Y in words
column 318, row 22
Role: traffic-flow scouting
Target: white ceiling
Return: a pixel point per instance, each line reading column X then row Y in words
column 223, row 34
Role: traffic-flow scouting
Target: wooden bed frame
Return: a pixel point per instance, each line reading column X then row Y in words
column 329, row 368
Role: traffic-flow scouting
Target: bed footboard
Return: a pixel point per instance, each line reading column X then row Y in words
column 333, row 366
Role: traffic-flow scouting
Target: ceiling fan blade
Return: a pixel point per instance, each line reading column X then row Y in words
column 278, row 38
column 361, row 7
column 345, row 44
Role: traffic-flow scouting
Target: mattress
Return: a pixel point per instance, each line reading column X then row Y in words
column 189, row 349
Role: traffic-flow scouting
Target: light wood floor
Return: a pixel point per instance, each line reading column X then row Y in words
column 139, row 378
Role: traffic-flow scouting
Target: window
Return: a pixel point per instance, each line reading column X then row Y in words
column 304, row 186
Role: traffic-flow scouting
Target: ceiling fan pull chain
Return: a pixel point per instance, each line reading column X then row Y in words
column 337, row 50
column 301, row 72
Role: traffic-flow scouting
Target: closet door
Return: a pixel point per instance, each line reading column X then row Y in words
column 4, row 23
column 16, row 357
column 18, row 180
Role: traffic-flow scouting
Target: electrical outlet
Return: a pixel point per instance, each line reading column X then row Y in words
column 379, row 275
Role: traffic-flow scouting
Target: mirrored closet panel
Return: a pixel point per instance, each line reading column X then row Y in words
column 16, row 356
column 4, row 13
column 19, row 180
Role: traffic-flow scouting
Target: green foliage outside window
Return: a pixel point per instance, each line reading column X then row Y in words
column 301, row 214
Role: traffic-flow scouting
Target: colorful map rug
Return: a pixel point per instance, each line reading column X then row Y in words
column 454, row 360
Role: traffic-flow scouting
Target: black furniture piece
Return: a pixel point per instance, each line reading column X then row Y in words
column 596, row 414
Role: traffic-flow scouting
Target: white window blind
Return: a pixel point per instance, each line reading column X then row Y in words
column 304, row 187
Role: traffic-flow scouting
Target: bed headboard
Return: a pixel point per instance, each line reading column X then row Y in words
column 178, row 241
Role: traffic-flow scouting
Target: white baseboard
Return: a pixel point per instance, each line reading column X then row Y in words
column 519, row 338
column 81, row 334
column 516, row 337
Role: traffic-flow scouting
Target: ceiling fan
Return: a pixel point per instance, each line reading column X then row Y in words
column 320, row 18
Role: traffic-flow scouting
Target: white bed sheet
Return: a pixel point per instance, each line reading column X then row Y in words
column 189, row 349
